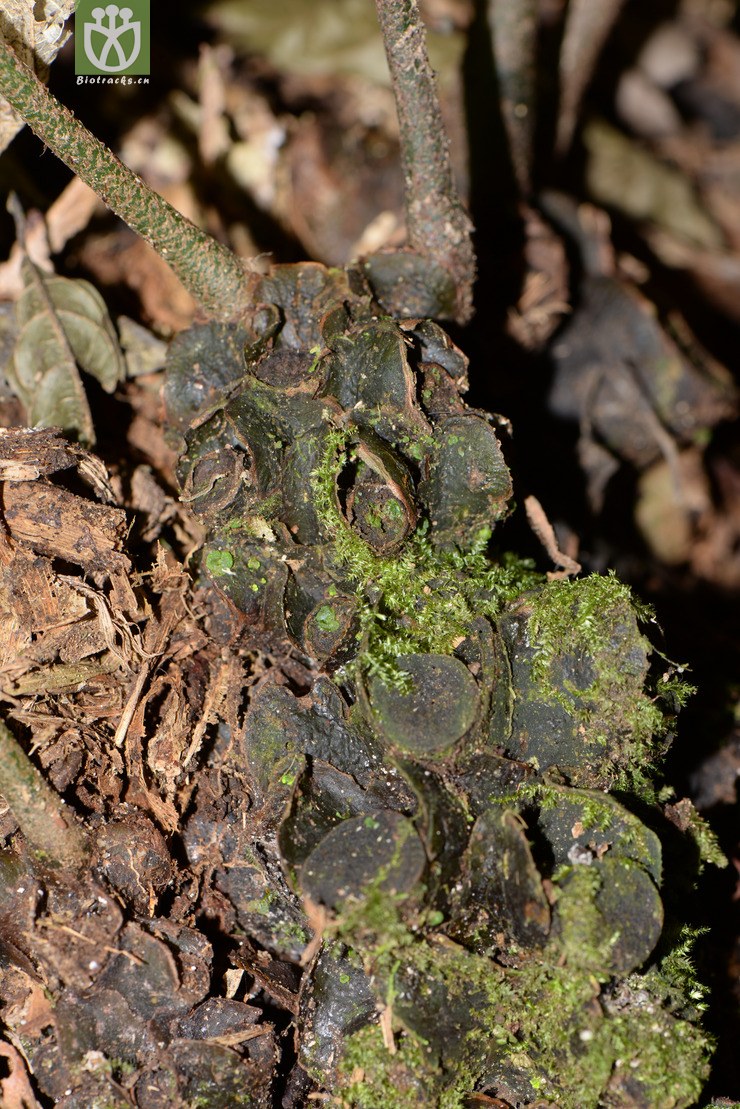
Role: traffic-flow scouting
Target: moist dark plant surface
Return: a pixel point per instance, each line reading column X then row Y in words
column 368, row 671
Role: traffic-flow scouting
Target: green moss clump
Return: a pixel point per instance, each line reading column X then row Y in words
column 556, row 1026
column 543, row 1030
column 370, row 1076
column 593, row 619
column 422, row 600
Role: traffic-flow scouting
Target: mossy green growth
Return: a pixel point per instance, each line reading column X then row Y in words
column 573, row 610
column 545, row 1029
column 376, row 924
column 707, row 843
column 593, row 619
column 421, row 600
column 673, row 978
column 540, row 1029
column 371, row 1077
column 582, row 941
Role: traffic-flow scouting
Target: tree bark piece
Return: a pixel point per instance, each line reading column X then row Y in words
column 54, row 522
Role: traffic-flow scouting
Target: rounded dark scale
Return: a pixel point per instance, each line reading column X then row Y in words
column 379, row 495
column 202, row 365
column 468, row 481
column 250, row 576
column 321, row 618
column 501, row 900
column 431, row 718
column 626, row 886
column 580, row 703
column 379, row 516
column 441, row 794
column 378, row 854
column 323, row 797
column 330, row 629
column 338, row 1000
column 285, row 369
column 216, row 474
column 589, row 823
column 408, row 284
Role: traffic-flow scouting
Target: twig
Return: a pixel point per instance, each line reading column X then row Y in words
column 514, row 31
column 40, row 812
column 437, row 224
column 587, row 28
column 208, row 270
column 545, row 532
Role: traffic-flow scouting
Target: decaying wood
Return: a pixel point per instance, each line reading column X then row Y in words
column 59, row 524
column 27, row 453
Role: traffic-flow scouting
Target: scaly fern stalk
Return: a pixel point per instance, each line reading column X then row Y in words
column 209, row 271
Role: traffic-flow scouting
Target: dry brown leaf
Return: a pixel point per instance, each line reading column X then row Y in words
column 213, row 130
column 673, row 499
column 124, row 258
column 32, row 1010
column 35, row 247
column 15, row 1089
column 544, row 297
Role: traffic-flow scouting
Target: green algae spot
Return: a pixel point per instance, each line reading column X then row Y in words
column 219, row 562
column 326, row 619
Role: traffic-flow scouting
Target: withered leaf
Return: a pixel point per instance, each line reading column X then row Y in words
column 63, row 324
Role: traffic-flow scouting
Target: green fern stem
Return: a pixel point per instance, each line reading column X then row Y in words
column 210, row 272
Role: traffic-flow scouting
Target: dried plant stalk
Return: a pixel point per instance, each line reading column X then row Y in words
column 49, row 830
column 514, row 31
column 587, row 28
